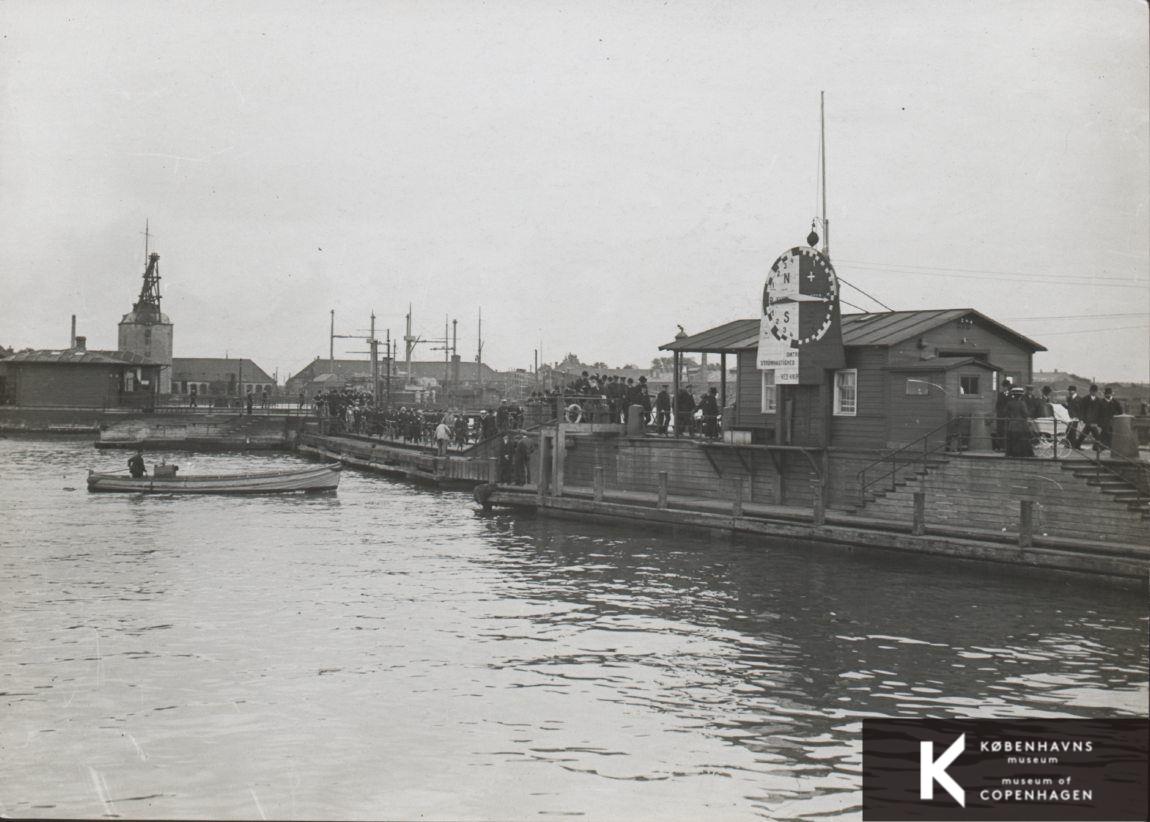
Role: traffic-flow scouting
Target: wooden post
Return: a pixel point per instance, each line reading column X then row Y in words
column 1026, row 523
column 675, row 391
column 598, row 483
column 663, row 489
column 542, row 475
column 737, row 505
column 819, row 512
column 494, row 470
column 918, row 526
column 559, row 457
column 723, row 389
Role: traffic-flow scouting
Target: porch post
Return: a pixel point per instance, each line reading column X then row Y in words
column 675, row 391
column 723, row 384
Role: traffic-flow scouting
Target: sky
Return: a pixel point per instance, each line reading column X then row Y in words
column 590, row 175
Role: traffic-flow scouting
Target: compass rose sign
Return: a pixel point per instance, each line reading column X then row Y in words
column 799, row 334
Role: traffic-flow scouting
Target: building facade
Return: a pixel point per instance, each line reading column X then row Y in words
column 145, row 330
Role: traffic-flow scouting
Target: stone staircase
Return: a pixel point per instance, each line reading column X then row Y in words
column 984, row 492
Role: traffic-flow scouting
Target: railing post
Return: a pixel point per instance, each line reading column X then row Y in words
column 737, row 505
column 1026, row 523
column 918, row 526
column 598, row 483
column 662, row 489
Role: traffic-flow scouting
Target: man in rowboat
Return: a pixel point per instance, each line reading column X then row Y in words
column 136, row 464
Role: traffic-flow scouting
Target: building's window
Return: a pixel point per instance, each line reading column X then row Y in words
column 846, row 392
column 917, row 388
column 770, row 393
column 968, row 385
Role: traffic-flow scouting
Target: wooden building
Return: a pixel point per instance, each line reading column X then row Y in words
column 219, row 377
column 79, row 378
column 906, row 374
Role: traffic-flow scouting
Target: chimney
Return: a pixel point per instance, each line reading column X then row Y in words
column 80, row 343
column 72, row 343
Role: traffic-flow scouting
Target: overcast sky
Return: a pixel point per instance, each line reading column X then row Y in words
column 591, row 174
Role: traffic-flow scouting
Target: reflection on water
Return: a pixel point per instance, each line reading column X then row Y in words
column 387, row 652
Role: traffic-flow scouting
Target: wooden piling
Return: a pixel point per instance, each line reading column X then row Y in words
column 543, row 475
column 1026, row 523
column 819, row 512
column 662, row 489
column 737, row 505
column 598, row 483
column 918, row 526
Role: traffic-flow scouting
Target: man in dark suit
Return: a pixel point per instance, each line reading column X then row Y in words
column 1090, row 412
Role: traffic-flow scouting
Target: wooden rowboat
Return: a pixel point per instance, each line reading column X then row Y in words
column 312, row 478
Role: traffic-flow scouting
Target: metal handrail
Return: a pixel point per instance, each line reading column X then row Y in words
column 1099, row 467
column 895, row 456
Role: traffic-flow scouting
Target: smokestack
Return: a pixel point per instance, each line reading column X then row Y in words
column 72, row 341
column 80, row 343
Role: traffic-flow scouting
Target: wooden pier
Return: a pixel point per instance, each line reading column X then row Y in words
column 1126, row 564
column 408, row 462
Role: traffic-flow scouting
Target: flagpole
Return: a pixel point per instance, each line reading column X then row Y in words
column 823, row 150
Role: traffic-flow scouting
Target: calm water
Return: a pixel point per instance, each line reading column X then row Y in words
column 388, row 652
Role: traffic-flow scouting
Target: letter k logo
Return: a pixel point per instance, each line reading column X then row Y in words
column 933, row 770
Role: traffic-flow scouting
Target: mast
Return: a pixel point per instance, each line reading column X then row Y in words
column 479, row 352
column 823, row 165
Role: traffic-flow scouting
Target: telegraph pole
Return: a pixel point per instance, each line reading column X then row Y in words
column 409, row 342
column 373, row 343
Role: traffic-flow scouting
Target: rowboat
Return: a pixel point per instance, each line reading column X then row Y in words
column 312, row 478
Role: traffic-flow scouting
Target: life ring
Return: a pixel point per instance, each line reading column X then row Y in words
column 574, row 412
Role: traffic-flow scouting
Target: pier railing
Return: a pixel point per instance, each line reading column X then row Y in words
column 910, row 458
column 1044, row 438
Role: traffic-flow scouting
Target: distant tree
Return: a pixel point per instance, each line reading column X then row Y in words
column 631, row 366
column 599, row 365
column 570, row 361
column 667, row 363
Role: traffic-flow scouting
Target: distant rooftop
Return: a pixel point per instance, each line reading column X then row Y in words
column 73, row 356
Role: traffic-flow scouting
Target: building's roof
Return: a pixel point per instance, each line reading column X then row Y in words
column 72, row 356
column 217, row 369
column 885, row 328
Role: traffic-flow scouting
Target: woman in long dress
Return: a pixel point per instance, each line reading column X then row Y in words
column 1017, row 425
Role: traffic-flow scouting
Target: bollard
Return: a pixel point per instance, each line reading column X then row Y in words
column 979, row 434
column 598, row 483
column 737, row 506
column 918, row 526
column 1123, row 442
column 1026, row 523
column 662, row 489
column 819, row 513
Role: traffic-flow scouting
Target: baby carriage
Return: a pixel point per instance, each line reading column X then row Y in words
column 1051, row 436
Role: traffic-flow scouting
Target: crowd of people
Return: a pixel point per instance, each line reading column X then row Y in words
column 611, row 398
column 1088, row 419
column 348, row 410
